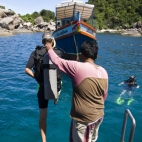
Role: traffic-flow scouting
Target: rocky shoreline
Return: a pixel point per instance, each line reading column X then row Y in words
column 11, row 23
column 131, row 32
column 4, row 32
column 124, row 32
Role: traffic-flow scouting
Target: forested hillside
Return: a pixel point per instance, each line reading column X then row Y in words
column 47, row 15
column 110, row 14
column 117, row 13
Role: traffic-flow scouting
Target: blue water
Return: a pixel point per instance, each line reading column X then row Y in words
column 121, row 56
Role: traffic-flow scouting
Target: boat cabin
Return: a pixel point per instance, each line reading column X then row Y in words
column 69, row 11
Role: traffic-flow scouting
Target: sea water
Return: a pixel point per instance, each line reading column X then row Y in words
column 120, row 55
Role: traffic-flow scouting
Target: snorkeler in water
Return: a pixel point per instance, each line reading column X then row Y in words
column 129, row 85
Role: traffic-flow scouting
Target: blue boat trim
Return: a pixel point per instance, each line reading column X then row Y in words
column 73, row 30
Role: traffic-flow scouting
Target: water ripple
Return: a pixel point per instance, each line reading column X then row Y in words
column 121, row 56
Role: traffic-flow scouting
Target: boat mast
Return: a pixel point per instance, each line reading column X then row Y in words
column 74, row 14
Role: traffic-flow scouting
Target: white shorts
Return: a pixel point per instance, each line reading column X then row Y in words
column 84, row 132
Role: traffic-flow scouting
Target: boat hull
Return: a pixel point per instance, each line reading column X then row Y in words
column 70, row 38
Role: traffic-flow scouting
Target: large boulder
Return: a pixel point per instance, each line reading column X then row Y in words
column 6, row 12
column 125, row 26
column 134, row 25
column 9, row 12
column 52, row 23
column 12, row 22
column 7, row 20
column 5, row 26
column 2, row 14
column 28, row 24
column 17, row 22
column 140, row 30
column 35, row 29
column 139, row 25
column 20, row 26
column 15, row 16
column 43, row 24
column 11, row 27
column 51, row 28
column 131, row 33
column 38, row 20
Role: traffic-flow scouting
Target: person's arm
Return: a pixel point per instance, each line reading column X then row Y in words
column 29, row 65
column 29, row 72
column 137, row 86
column 68, row 67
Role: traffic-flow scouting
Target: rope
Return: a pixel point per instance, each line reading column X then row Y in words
column 76, row 48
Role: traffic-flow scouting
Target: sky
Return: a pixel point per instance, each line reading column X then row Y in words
column 24, row 7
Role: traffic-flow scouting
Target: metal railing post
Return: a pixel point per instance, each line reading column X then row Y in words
column 127, row 112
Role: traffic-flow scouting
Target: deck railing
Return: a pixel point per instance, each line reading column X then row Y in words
column 127, row 112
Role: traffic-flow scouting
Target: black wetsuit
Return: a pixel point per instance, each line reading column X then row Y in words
column 130, row 84
column 42, row 102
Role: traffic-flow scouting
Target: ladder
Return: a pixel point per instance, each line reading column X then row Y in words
column 127, row 112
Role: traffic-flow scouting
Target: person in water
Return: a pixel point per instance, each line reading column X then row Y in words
column 129, row 85
column 90, row 88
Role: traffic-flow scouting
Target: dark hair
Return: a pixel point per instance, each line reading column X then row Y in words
column 44, row 41
column 89, row 49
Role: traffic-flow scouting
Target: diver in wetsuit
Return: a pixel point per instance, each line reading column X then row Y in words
column 129, row 85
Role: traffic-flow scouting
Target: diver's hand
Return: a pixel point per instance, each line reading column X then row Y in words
column 48, row 46
column 121, row 83
column 138, row 86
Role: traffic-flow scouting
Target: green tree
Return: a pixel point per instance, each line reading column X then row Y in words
column 3, row 7
column 47, row 15
column 35, row 15
column 116, row 13
column 28, row 18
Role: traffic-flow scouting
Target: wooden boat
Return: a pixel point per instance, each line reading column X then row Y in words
column 74, row 25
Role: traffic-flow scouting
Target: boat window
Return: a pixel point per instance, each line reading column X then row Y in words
column 58, row 25
column 63, row 22
column 66, row 21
